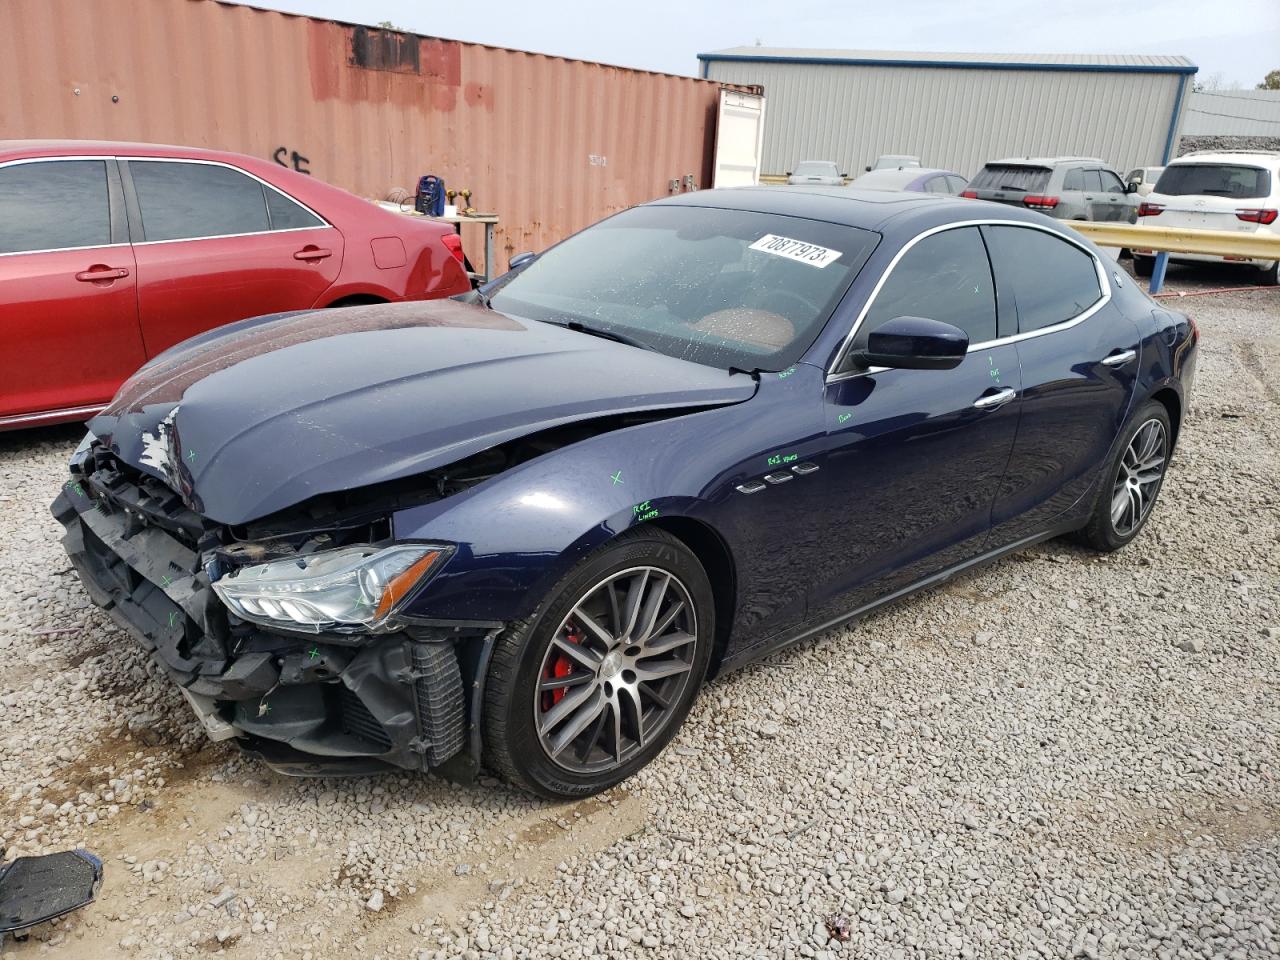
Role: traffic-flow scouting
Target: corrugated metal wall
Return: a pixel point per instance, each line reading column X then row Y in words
column 954, row 118
column 547, row 143
column 1233, row 113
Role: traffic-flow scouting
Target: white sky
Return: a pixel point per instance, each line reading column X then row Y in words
column 1238, row 40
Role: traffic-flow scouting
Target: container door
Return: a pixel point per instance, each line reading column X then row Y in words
column 739, row 140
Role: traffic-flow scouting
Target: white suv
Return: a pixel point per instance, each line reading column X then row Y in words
column 1216, row 191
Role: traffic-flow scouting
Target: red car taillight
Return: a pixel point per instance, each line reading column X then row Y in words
column 1264, row 217
column 453, row 243
column 970, row 194
column 1037, row 202
column 1150, row 209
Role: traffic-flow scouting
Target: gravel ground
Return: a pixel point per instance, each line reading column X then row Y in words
column 1060, row 755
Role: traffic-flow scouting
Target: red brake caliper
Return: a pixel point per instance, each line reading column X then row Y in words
column 557, row 669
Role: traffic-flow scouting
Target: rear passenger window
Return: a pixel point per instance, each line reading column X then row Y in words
column 944, row 277
column 1052, row 279
column 1073, row 179
column 1093, row 181
column 54, row 205
column 182, row 201
column 287, row 214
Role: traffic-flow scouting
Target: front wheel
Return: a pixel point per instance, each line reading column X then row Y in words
column 589, row 690
column 1132, row 484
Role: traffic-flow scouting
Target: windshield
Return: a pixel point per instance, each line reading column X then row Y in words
column 1214, row 180
column 724, row 288
column 812, row 168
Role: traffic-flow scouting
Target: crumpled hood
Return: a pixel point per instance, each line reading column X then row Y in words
column 257, row 416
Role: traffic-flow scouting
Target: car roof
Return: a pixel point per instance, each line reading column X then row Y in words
column 876, row 210
column 1268, row 158
column 889, row 176
column 23, row 149
column 1045, row 161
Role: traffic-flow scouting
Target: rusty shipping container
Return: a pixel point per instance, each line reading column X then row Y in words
column 548, row 144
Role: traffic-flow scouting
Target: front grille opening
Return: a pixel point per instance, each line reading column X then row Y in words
column 357, row 721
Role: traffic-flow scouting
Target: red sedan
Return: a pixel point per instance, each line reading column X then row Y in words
column 112, row 252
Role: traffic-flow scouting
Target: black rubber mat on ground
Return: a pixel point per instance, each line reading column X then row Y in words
column 36, row 889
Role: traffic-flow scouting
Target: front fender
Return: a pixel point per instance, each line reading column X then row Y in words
column 518, row 533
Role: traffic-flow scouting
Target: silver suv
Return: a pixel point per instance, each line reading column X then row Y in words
column 1068, row 188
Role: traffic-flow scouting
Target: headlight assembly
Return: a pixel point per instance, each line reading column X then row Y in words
column 349, row 590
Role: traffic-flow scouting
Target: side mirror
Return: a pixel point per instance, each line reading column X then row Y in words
column 867, row 168
column 915, row 343
column 788, row 173
column 1131, row 186
column 845, row 175
column 520, row 259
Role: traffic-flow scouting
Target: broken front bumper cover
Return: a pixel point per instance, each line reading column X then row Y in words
column 307, row 704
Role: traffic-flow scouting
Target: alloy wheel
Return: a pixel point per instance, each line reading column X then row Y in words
column 1139, row 476
column 615, row 669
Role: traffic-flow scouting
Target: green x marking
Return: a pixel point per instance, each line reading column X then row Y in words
column 315, row 653
column 191, row 456
column 617, row 478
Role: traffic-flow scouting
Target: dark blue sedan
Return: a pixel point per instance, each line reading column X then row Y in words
column 521, row 531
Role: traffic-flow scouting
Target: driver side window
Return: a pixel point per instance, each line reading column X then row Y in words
column 944, row 277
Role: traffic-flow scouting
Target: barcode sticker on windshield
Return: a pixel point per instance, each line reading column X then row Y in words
column 798, row 250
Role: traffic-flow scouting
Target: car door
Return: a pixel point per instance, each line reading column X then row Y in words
column 218, row 245
column 915, row 456
column 1096, row 202
column 1121, row 207
column 68, row 305
column 1079, row 356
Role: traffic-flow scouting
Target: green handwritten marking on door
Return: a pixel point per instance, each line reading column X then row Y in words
column 778, row 458
column 191, row 456
column 616, row 478
column 644, row 511
column 166, row 580
column 314, row 653
column 786, row 373
column 994, row 371
column 78, row 490
column 173, row 618
column 843, row 417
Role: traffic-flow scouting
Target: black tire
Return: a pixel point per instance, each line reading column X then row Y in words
column 1101, row 532
column 1142, row 266
column 513, row 747
column 1270, row 275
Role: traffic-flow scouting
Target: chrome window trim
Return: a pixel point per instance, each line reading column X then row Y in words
column 324, row 224
column 1103, row 285
column 91, row 246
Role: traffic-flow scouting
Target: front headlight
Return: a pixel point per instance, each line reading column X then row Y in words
column 353, row 589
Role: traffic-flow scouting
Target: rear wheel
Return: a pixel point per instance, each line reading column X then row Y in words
column 1142, row 266
column 1271, row 275
column 590, row 689
column 1132, row 484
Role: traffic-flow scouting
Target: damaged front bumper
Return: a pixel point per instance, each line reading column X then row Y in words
column 307, row 704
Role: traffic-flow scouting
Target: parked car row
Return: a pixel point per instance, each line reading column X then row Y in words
column 110, row 253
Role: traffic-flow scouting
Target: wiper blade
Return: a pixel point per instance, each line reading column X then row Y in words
column 474, row 295
column 1010, row 186
column 580, row 327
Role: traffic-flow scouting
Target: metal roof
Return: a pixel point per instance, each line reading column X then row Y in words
column 1084, row 62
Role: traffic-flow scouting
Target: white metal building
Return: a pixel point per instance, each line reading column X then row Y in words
column 1233, row 113
column 959, row 110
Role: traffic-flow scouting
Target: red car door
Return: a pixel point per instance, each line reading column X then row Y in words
column 218, row 245
column 68, row 304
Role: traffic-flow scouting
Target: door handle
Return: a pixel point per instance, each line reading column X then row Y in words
column 313, row 253
column 998, row 399
column 1119, row 359
column 96, row 273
